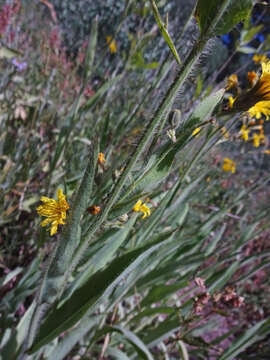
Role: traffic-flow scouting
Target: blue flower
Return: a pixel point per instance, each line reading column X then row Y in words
column 226, row 39
column 20, row 66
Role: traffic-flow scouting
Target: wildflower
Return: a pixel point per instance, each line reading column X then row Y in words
column 101, row 158
column 200, row 282
column 259, row 92
column 20, row 66
column 259, row 109
column 232, row 82
column 139, row 206
column 252, row 77
column 54, row 210
column 196, row 131
column 257, row 58
column 93, row 210
column 244, row 131
column 112, row 44
column 258, row 139
column 229, row 165
column 231, row 101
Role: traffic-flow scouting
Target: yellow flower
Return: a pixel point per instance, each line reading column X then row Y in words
column 258, row 139
column 196, row 131
column 101, row 158
column 112, row 44
column 259, row 109
column 259, row 92
column 267, row 152
column 231, row 101
column 244, row 132
column 54, row 210
column 229, row 165
column 232, row 81
column 257, row 58
column 140, row 207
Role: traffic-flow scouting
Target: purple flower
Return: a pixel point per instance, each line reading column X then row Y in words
column 20, row 66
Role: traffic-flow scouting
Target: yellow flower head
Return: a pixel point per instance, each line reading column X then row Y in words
column 244, row 131
column 257, row 58
column 140, row 207
column 260, row 109
column 259, row 92
column 258, row 139
column 231, row 101
column 196, row 131
column 54, row 210
column 101, row 158
column 112, row 44
column 232, row 82
column 229, row 165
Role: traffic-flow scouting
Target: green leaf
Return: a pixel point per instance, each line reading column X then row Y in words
column 152, row 311
column 134, row 340
column 116, row 354
column 206, row 107
column 236, row 12
column 247, row 339
column 70, row 339
column 247, row 36
column 105, row 254
column 225, row 277
column 98, row 287
column 165, row 32
column 161, row 292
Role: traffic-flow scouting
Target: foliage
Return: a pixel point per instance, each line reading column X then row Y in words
column 164, row 248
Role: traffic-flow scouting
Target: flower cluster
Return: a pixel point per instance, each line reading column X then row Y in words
column 229, row 165
column 142, row 207
column 54, row 210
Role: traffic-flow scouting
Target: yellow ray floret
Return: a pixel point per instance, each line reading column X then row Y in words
column 229, row 165
column 259, row 92
column 112, row 44
column 140, row 207
column 259, row 109
column 244, row 131
column 54, row 210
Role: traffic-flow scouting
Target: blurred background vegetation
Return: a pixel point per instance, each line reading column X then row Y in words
column 190, row 281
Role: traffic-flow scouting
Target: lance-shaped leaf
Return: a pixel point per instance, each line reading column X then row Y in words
column 98, row 287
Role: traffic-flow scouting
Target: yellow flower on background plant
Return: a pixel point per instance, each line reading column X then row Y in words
column 229, row 165
column 257, row 58
column 231, row 101
column 112, row 44
column 54, row 210
column 101, row 158
column 232, row 82
column 196, row 131
column 140, row 207
column 261, row 108
column 244, row 131
column 258, row 139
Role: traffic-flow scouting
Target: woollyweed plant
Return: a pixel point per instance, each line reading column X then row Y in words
column 146, row 240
